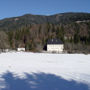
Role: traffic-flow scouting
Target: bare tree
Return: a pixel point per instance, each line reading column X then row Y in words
column 4, row 44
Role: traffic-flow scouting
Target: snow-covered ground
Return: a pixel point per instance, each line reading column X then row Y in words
column 67, row 66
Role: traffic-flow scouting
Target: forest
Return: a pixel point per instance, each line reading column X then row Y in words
column 26, row 31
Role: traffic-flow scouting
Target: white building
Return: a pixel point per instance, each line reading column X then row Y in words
column 55, row 45
column 20, row 49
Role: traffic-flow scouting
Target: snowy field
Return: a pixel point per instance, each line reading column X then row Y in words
column 39, row 71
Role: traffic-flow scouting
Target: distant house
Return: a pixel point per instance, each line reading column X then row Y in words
column 55, row 45
column 21, row 48
column 5, row 50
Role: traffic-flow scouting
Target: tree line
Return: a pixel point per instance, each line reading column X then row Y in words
column 34, row 37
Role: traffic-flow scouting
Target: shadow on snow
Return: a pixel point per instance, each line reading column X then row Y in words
column 41, row 81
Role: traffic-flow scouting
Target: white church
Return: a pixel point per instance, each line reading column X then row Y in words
column 55, row 45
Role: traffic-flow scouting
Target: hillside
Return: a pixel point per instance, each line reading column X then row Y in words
column 33, row 31
column 63, row 18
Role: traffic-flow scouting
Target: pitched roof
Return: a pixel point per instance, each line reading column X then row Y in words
column 54, row 41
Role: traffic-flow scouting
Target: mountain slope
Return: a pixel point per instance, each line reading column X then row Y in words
column 28, row 19
column 33, row 31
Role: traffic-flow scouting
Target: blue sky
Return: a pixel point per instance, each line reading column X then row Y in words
column 11, row 8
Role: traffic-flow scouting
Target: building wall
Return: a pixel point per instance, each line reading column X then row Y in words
column 20, row 49
column 55, row 48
